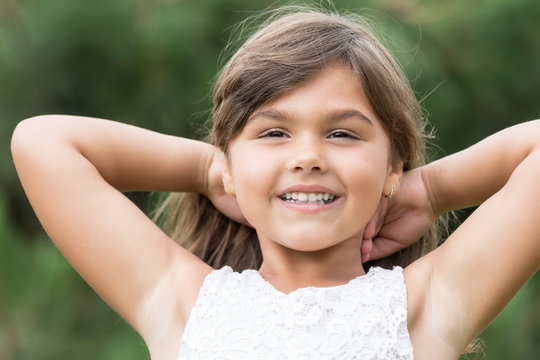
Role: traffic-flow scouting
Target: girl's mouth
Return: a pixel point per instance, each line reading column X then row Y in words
column 308, row 198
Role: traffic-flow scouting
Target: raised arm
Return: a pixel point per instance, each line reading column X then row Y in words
column 482, row 265
column 72, row 169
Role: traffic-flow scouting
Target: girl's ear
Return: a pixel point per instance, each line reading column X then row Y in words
column 393, row 179
column 227, row 177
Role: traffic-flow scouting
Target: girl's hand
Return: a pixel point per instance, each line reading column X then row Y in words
column 216, row 192
column 400, row 220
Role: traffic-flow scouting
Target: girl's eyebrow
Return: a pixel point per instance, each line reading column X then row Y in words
column 350, row 113
column 334, row 115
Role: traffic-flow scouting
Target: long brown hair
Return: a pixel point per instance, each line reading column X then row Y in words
column 287, row 51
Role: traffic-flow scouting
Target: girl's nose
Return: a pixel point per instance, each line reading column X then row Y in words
column 307, row 157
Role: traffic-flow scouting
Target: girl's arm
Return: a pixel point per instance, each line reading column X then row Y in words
column 457, row 289
column 73, row 169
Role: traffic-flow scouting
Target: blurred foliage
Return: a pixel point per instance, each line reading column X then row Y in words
column 151, row 63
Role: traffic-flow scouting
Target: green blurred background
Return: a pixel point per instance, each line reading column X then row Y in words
column 152, row 62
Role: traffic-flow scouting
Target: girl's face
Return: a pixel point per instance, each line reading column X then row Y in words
column 309, row 169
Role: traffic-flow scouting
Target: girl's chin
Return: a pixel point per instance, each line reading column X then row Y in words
column 307, row 246
column 310, row 241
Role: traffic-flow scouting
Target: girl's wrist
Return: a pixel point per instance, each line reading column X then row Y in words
column 210, row 171
column 429, row 174
column 203, row 180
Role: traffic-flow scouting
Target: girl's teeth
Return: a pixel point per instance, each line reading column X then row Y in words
column 309, row 198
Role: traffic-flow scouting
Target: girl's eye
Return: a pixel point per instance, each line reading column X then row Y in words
column 274, row 133
column 341, row 134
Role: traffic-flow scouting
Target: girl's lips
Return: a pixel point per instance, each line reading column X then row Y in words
column 300, row 188
column 309, row 207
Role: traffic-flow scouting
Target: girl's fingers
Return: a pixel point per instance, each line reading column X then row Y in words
column 382, row 247
column 365, row 249
column 369, row 231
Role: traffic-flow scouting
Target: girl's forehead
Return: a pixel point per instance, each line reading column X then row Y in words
column 335, row 90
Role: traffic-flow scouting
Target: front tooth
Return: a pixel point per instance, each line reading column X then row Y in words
column 312, row 197
column 326, row 196
column 288, row 196
column 319, row 197
column 302, row 197
column 294, row 196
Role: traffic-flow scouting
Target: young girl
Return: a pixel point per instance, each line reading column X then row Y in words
column 315, row 167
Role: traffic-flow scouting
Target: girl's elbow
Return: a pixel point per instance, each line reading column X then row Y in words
column 21, row 138
column 27, row 135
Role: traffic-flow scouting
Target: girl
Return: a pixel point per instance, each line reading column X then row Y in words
column 316, row 159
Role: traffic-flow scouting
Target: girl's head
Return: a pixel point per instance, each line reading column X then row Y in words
column 321, row 139
column 285, row 54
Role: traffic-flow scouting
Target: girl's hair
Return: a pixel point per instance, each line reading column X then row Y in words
column 285, row 53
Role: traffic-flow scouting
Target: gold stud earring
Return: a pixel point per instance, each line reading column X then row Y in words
column 391, row 192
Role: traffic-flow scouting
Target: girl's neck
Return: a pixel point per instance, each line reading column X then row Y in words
column 288, row 270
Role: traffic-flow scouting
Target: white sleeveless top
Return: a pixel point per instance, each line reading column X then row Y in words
column 242, row 316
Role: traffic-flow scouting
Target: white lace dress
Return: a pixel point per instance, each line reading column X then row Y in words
column 242, row 316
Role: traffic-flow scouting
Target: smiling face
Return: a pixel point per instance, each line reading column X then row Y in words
column 309, row 168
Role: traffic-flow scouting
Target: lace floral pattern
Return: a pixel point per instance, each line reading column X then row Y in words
column 242, row 316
